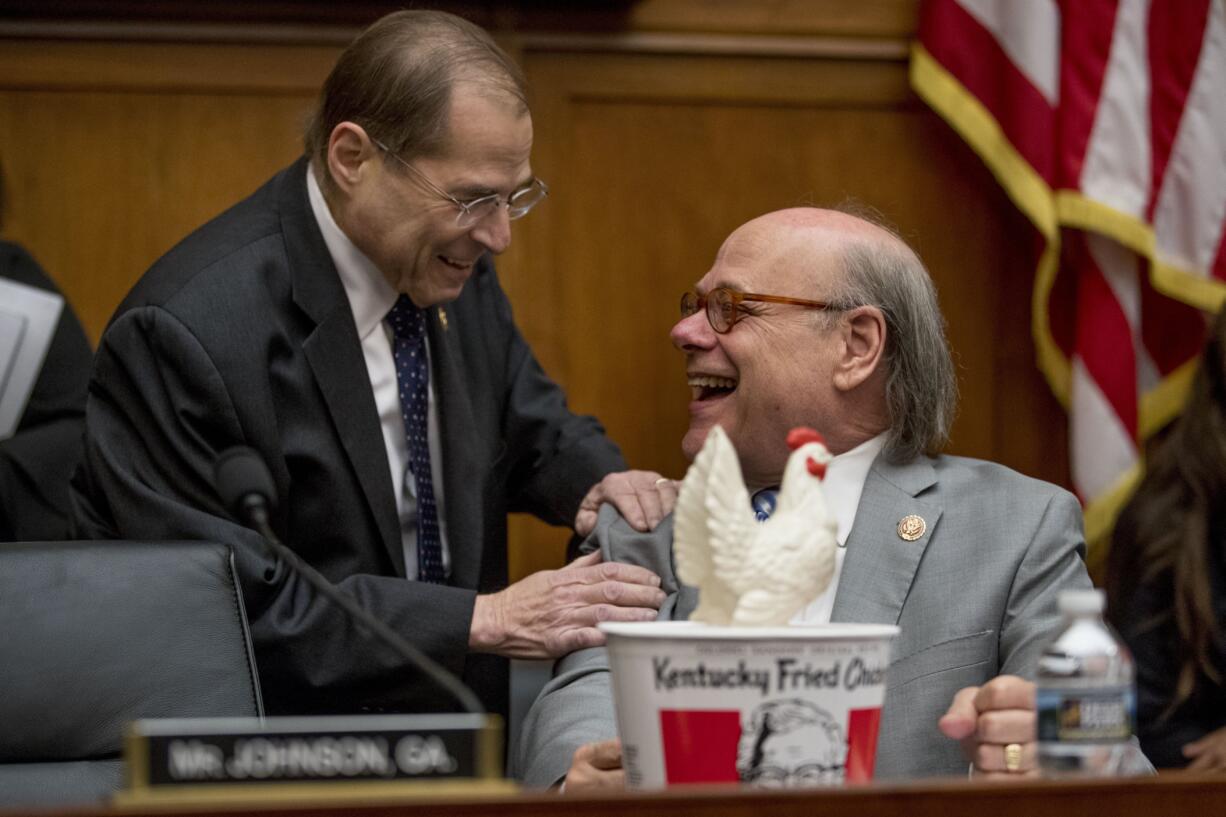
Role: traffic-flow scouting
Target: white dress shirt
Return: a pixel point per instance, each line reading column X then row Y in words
column 843, row 484
column 370, row 299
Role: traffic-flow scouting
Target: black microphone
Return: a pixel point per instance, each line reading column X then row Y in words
column 245, row 486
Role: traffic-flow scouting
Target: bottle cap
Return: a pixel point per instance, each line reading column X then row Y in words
column 1082, row 601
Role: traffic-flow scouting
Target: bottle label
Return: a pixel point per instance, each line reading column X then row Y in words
column 1079, row 715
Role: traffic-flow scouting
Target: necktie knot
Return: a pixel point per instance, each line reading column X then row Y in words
column 763, row 503
column 406, row 319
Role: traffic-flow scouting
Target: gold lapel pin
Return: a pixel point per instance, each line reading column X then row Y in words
column 911, row 527
column 442, row 318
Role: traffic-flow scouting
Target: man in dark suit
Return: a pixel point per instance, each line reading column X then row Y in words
column 346, row 322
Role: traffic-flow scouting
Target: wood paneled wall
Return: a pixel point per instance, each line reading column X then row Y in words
column 661, row 126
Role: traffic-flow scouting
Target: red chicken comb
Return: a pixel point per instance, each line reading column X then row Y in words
column 801, row 436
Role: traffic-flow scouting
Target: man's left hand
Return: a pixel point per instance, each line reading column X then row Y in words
column 996, row 725
column 596, row 767
column 642, row 497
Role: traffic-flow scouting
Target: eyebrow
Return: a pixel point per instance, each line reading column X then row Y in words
column 472, row 192
column 723, row 284
column 479, row 191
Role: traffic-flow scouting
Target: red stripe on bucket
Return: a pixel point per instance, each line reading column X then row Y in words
column 862, row 726
column 700, row 745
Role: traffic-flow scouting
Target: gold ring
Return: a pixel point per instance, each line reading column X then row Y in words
column 1013, row 757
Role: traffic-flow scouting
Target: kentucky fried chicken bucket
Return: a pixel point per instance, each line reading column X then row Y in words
column 768, row 706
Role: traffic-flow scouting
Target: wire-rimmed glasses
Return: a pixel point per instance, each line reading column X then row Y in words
column 475, row 210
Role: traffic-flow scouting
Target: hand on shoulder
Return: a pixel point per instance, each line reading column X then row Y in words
column 555, row 612
column 642, row 497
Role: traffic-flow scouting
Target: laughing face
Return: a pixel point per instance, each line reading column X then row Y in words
column 773, row 370
column 410, row 232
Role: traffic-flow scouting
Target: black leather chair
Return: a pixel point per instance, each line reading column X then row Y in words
column 96, row 634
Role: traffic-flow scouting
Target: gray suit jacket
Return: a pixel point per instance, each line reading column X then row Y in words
column 974, row 597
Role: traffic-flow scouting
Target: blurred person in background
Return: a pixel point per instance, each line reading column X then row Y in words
column 1166, row 579
column 37, row 461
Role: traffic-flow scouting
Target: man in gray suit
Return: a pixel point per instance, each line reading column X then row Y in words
column 819, row 318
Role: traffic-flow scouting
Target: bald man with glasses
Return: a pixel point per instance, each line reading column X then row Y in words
column 346, row 322
column 824, row 319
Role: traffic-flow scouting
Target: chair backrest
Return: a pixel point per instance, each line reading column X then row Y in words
column 96, row 634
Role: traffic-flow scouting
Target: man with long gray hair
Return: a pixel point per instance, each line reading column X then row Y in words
column 824, row 319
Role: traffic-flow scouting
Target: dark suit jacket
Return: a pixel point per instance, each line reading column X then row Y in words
column 243, row 334
column 36, row 462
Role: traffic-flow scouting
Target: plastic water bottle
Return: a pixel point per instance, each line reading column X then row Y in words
column 1086, row 695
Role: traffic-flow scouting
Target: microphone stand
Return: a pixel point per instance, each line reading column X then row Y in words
column 255, row 508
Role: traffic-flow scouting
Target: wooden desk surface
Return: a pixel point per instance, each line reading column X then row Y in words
column 1177, row 793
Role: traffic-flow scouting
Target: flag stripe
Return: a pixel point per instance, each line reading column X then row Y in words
column 1033, row 48
column 1173, row 332
column 1116, row 170
column 1100, row 449
column 1086, row 33
column 968, row 51
column 1191, row 205
column 1219, row 265
column 1104, row 335
column 1172, row 68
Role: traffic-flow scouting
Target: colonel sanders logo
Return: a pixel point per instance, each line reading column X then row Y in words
column 790, row 743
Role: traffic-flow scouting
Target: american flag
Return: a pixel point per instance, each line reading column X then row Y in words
column 1105, row 122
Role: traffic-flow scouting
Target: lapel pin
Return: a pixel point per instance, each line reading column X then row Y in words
column 911, row 527
column 442, row 318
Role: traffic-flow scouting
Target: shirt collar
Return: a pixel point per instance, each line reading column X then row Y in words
column 844, row 482
column 370, row 295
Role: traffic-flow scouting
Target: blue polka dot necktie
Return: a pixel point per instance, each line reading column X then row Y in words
column 413, row 373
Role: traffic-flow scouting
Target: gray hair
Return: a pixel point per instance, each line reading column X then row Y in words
column 921, row 388
column 395, row 81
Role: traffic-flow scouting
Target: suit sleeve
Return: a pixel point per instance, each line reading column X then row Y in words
column 158, row 414
column 1053, row 562
column 576, row 706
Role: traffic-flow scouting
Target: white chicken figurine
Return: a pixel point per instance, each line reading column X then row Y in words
column 749, row 572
